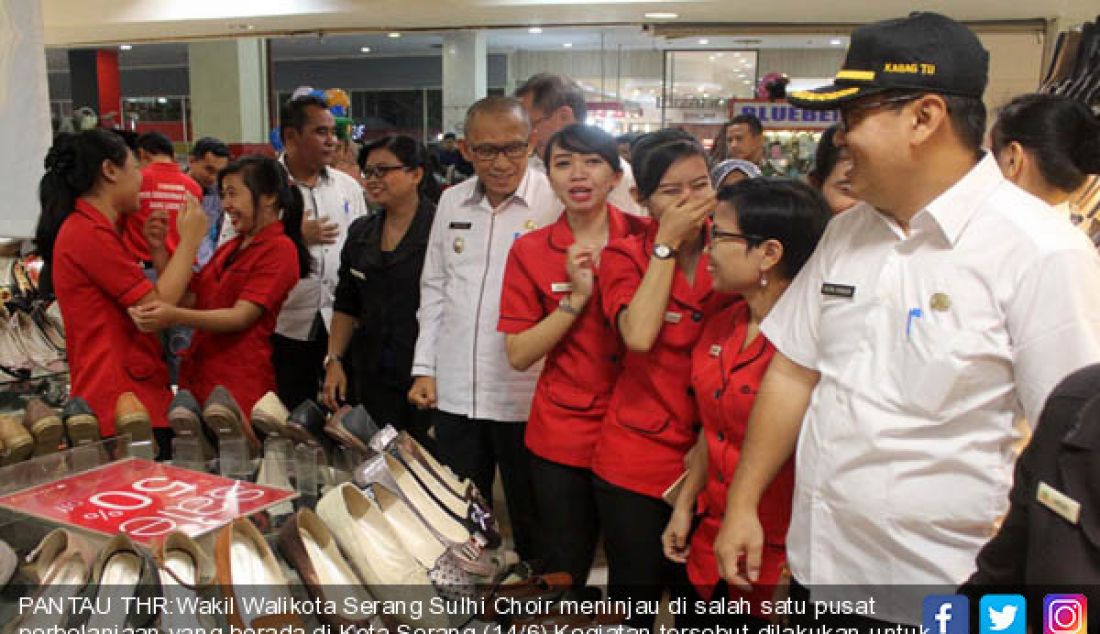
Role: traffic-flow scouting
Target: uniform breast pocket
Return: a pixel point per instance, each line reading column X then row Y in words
column 932, row 366
column 841, row 322
column 681, row 328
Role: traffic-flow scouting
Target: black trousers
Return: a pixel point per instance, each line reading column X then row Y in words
column 389, row 405
column 632, row 526
column 568, row 523
column 474, row 448
column 298, row 369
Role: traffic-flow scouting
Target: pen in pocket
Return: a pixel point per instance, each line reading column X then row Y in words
column 914, row 313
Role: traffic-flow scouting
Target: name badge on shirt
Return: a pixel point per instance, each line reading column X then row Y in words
column 561, row 287
column 357, row 274
column 466, row 226
column 673, row 318
column 716, row 350
column 1063, row 505
column 838, row 290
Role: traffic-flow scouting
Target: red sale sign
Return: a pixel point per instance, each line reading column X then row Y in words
column 144, row 499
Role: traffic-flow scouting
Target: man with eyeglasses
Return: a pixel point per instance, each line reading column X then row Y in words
column 553, row 102
column 930, row 318
column 461, row 364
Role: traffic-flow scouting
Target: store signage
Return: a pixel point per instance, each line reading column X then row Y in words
column 782, row 115
column 144, row 499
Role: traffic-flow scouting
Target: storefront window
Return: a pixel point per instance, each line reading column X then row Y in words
column 699, row 85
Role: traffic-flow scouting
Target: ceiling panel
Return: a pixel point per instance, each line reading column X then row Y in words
column 69, row 22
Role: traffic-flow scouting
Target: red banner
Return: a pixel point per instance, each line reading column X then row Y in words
column 144, row 499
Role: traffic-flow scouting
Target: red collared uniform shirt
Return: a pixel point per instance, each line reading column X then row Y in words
column 651, row 421
column 262, row 273
column 96, row 279
column 726, row 376
column 573, row 391
column 164, row 187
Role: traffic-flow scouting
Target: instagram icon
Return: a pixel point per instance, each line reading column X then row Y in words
column 1065, row 614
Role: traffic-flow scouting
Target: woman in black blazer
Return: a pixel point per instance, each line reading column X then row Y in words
column 379, row 286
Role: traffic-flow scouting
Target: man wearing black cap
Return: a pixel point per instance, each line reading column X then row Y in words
column 929, row 319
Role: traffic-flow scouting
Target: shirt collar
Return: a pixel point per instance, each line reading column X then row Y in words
column 561, row 234
column 322, row 178
column 160, row 166
column 267, row 233
column 91, row 212
column 954, row 208
column 523, row 193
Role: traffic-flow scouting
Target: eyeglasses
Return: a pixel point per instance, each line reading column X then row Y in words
column 488, row 152
column 846, row 122
column 717, row 236
column 380, row 171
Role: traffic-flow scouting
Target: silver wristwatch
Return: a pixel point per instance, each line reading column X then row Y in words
column 663, row 251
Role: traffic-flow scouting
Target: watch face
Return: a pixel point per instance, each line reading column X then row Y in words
column 662, row 251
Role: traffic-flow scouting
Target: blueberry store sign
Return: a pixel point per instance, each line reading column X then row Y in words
column 779, row 115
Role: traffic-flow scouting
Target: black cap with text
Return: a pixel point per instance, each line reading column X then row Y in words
column 925, row 52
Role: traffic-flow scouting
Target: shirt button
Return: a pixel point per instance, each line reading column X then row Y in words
column 718, row 393
column 691, row 391
column 746, row 389
column 697, row 316
column 721, row 437
column 721, row 479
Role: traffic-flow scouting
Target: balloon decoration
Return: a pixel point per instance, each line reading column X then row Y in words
column 339, row 104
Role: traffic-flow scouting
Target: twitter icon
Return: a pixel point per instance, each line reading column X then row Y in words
column 1003, row 614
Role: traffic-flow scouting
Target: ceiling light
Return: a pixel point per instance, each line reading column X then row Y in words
column 713, row 57
column 567, row 44
column 125, row 47
column 365, row 49
column 746, row 82
column 704, row 42
column 702, row 88
column 836, row 42
column 662, row 16
column 393, row 35
column 534, row 30
column 162, row 100
column 706, row 96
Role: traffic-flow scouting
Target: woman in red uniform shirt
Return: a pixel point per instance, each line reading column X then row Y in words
column 763, row 232
column 237, row 296
column 656, row 291
column 550, row 308
column 91, row 181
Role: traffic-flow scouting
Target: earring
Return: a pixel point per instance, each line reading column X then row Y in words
column 763, row 281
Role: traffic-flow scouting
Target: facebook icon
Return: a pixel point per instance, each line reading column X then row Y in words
column 946, row 614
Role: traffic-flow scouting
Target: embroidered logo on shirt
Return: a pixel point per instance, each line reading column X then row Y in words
column 838, row 290
column 673, row 318
column 940, row 302
column 460, row 245
column 358, row 274
column 715, row 350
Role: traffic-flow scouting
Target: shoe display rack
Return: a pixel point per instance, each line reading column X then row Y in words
column 32, row 338
column 372, row 519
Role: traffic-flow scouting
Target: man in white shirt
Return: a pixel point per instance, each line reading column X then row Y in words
column 553, row 102
column 930, row 318
column 333, row 200
column 461, row 364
